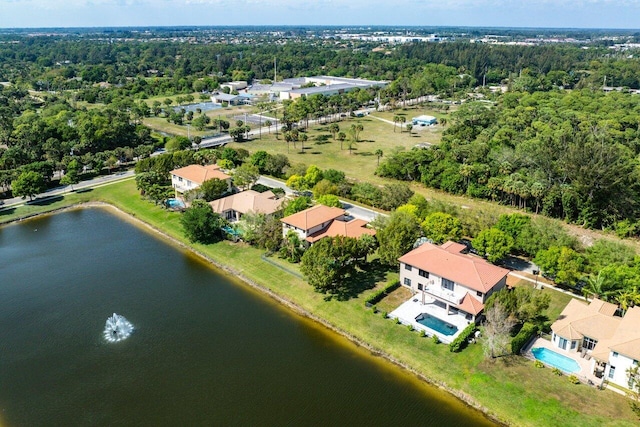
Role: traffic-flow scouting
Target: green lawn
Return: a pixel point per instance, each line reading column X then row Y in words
column 511, row 388
column 321, row 150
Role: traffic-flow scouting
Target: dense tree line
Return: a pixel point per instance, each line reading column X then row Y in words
column 571, row 155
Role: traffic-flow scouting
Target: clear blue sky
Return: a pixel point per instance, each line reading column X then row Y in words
column 503, row 13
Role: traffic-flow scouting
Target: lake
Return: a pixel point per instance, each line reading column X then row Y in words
column 206, row 349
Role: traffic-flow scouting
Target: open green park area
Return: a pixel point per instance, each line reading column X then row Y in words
column 322, row 150
column 510, row 388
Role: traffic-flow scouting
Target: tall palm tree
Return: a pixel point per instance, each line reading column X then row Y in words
column 396, row 119
column 379, row 154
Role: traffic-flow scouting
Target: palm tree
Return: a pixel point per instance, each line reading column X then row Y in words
column 268, row 124
column 396, row 119
column 402, row 120
column 379, row 154
column 409, row 126
column 595, row 287
column 628, row 297
column 303, row 138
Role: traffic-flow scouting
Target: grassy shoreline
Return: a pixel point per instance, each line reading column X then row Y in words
column 509, row 390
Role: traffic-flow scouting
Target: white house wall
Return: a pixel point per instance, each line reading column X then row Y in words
column 621, row 364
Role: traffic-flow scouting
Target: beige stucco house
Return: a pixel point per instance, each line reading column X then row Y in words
column 192, row 176
column 234, row 206
column 594, row 331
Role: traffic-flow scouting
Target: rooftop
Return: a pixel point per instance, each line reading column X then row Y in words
column 248, row 201
column 199, row 173
column 355, row 228
column 312, row 217
column 446, row 261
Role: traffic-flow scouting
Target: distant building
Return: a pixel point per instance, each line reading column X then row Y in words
column 424, row 121
column 327, row 86
column 237, row 85
column 221, row 98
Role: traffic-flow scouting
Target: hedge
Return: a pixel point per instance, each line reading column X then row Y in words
column 523, row 337
column 463, row 339
column 377, row 297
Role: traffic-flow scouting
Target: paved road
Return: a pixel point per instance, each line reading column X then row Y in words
column 92, row 183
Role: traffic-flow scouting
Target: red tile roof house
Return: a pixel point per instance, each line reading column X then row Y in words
column 448, row 284
column 323, row 221
column 234, row 206
column 192, row 176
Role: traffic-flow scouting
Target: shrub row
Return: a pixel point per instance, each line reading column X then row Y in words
column 463, row 339
column 377, row 297
column 525, row 334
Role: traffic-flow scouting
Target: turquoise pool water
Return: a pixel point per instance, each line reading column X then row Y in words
column 175, row 204
column 556, row 360
column 436, row 324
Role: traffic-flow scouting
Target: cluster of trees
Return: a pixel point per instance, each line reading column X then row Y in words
column 570, row 155
column 44, row 136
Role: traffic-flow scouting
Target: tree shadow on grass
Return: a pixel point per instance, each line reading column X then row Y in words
column 362, row 280
column 365, row 153
column 46, row 202
column 84, row 190
column 6, row 211
column 322, row 139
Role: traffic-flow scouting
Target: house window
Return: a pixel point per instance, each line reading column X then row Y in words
column 589, row 343
column 407, row 267
column 447, row 284
column 423, row 273
column 420, row 287
column 615, row 354
column 407, row 281
column 179, row 179
column 573, row 345
column 562, row 343
column 612, row 371
column 479, row 294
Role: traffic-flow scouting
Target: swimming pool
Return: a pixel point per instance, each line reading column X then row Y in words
column 436, row 324
column 175, row 204
column 556, row 360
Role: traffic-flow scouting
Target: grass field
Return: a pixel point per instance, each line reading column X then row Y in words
column 509, row 388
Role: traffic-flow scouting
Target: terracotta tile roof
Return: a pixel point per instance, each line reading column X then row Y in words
column 453, row 247
column 312, row 217
column 467, row 270
column 199, row 173
column 354, row 228
column 471, row 305
column 248, row 201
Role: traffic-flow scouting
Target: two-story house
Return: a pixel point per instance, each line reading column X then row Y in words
column 447, row 277
column 593, row 331
column 192, row 176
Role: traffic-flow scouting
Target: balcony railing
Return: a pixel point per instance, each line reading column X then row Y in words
column 444, row 294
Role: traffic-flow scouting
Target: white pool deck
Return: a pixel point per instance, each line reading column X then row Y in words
column 409, row 310
column 584, row 374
